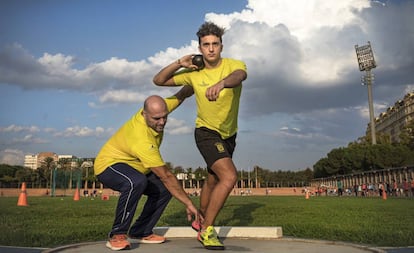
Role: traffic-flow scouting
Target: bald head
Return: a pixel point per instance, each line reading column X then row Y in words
column 155, row 112
column 155, row 103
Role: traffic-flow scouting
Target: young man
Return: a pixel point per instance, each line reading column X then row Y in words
column 217, row 88
column 130, row 163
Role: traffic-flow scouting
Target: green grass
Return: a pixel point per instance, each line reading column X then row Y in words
column 51, row 222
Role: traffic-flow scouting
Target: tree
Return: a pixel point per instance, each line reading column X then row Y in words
column 361, row 156
column 336, row 161
column 200, row 176
column 407, row 135
column 65, row 165
column 355, row 157
column 7, row 175
column 23, row 175
column 47, row 165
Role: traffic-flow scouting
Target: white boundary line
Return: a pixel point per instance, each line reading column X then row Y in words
column 245, row 232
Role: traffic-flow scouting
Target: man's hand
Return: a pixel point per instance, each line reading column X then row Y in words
column 187, row 62
column 192, row 211
column 231, row 81
column 213, row 92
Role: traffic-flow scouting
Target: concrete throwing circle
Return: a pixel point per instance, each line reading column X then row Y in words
column 191, row 245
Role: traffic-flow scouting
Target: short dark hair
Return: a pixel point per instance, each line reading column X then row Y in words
column 209, row 28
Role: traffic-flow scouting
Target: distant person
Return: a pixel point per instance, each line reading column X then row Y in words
column 371, row 189
column 339, row 186
column 388, row 187
column 380, row 189
column 217, row 87
column 394, row 188
column 405, row 187
column 356, row 190
column 130, row 163
column 412, row 187
column 364, row 190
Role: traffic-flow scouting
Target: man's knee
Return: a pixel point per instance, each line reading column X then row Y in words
column 226, row 172
column 134, row 186
column 231, row 179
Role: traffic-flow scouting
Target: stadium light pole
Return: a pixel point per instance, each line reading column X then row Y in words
column 366, row 62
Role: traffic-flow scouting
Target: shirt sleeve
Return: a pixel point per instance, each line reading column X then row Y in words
column 172, row 103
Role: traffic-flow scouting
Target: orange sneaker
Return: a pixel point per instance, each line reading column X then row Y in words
column 149, row 239
column 118, row 242
column 196, row 226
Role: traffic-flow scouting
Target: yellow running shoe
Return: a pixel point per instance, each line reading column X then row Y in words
column 210, row 240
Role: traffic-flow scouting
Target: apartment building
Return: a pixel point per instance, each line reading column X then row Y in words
column 35, row 161
column 393, row 120
column 30, row 161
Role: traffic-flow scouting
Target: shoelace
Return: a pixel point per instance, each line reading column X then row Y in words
column 118, row 237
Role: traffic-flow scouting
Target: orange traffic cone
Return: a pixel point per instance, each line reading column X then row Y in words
column 22, row 197
column 307, row 195
column 76, row 196
column 384, row 195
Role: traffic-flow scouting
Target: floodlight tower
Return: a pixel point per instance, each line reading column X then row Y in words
column 366, row 62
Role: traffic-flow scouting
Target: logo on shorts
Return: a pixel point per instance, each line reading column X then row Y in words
column 220, row 147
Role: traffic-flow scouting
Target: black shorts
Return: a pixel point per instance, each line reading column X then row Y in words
column 212, row 147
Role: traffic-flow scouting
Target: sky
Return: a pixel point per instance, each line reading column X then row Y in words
column 72, row 72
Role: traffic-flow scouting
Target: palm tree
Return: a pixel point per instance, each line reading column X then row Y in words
column 48, row 164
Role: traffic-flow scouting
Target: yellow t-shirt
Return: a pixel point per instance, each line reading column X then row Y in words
column 220, row 115
column 135, row 144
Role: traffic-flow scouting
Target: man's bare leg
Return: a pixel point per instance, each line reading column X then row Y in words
column 206, row 192
column 226, row 177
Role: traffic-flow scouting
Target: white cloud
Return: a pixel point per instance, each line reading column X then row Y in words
column 120, row 70
column 163, row 58
column 125, row 96
column 308, row 47
column 128, row 96
column 12, row 157
column 49, row 130
column 177, row 127
column 78, row 131
column 56, row 71
column 29, row 139
column 303, row 17
column 58, row 65
column 14, row 128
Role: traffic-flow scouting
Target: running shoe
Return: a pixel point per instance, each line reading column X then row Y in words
column 118, row 242
column 151, row 239
column 209, row 239
column 196, row 225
